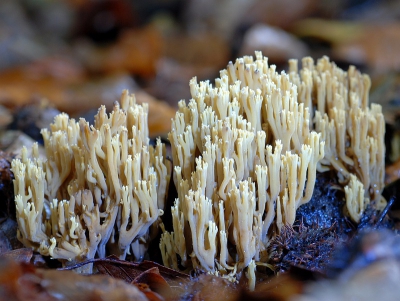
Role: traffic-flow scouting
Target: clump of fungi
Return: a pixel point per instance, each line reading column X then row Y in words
column 245, row 157
column 246, row 153
column 99, row 186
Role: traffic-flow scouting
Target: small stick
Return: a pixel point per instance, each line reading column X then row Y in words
column 385, row 211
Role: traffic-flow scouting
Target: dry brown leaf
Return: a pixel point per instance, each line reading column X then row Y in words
column 213, row 288
column 150, row 295
column 154, row 280
column 279, row 288
column 135, row 52
column 23, row 282
column 23, row 255
column 129, row 271
column 392, row 172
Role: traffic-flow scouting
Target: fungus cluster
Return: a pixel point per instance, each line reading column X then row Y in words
column 245, row 160
column 352, row 130
column 99, row 186
column 246, row 153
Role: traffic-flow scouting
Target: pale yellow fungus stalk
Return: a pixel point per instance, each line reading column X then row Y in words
column 356, row 202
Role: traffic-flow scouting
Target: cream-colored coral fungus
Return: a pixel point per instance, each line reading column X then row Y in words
column 352, row 130
column 99, row 186
column 245, row 160
column 356, row 202
column 246, row 152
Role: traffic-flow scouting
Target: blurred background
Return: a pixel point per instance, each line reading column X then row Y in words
column 74, row 55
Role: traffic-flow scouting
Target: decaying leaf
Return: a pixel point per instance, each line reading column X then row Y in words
column 212, row 288
column 279, row 288
column 155, row 282
column 148, row 276
column 22, row 282
column 129, row 271
column 22, row 255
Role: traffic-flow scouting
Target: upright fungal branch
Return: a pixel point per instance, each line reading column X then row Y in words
column 356, row 202
column 352, row 130
column 100, row 185
column 245, row 159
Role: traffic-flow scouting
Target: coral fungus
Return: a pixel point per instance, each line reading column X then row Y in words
column 246, row 153
column 98, row 185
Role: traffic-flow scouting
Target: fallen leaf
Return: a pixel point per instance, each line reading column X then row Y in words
column 154, row 280
column 129, row 271
column 49, row 285
column 212, row 288
column 163, row 281
column 23, row 255
column 279, row 288
column 151, row 295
